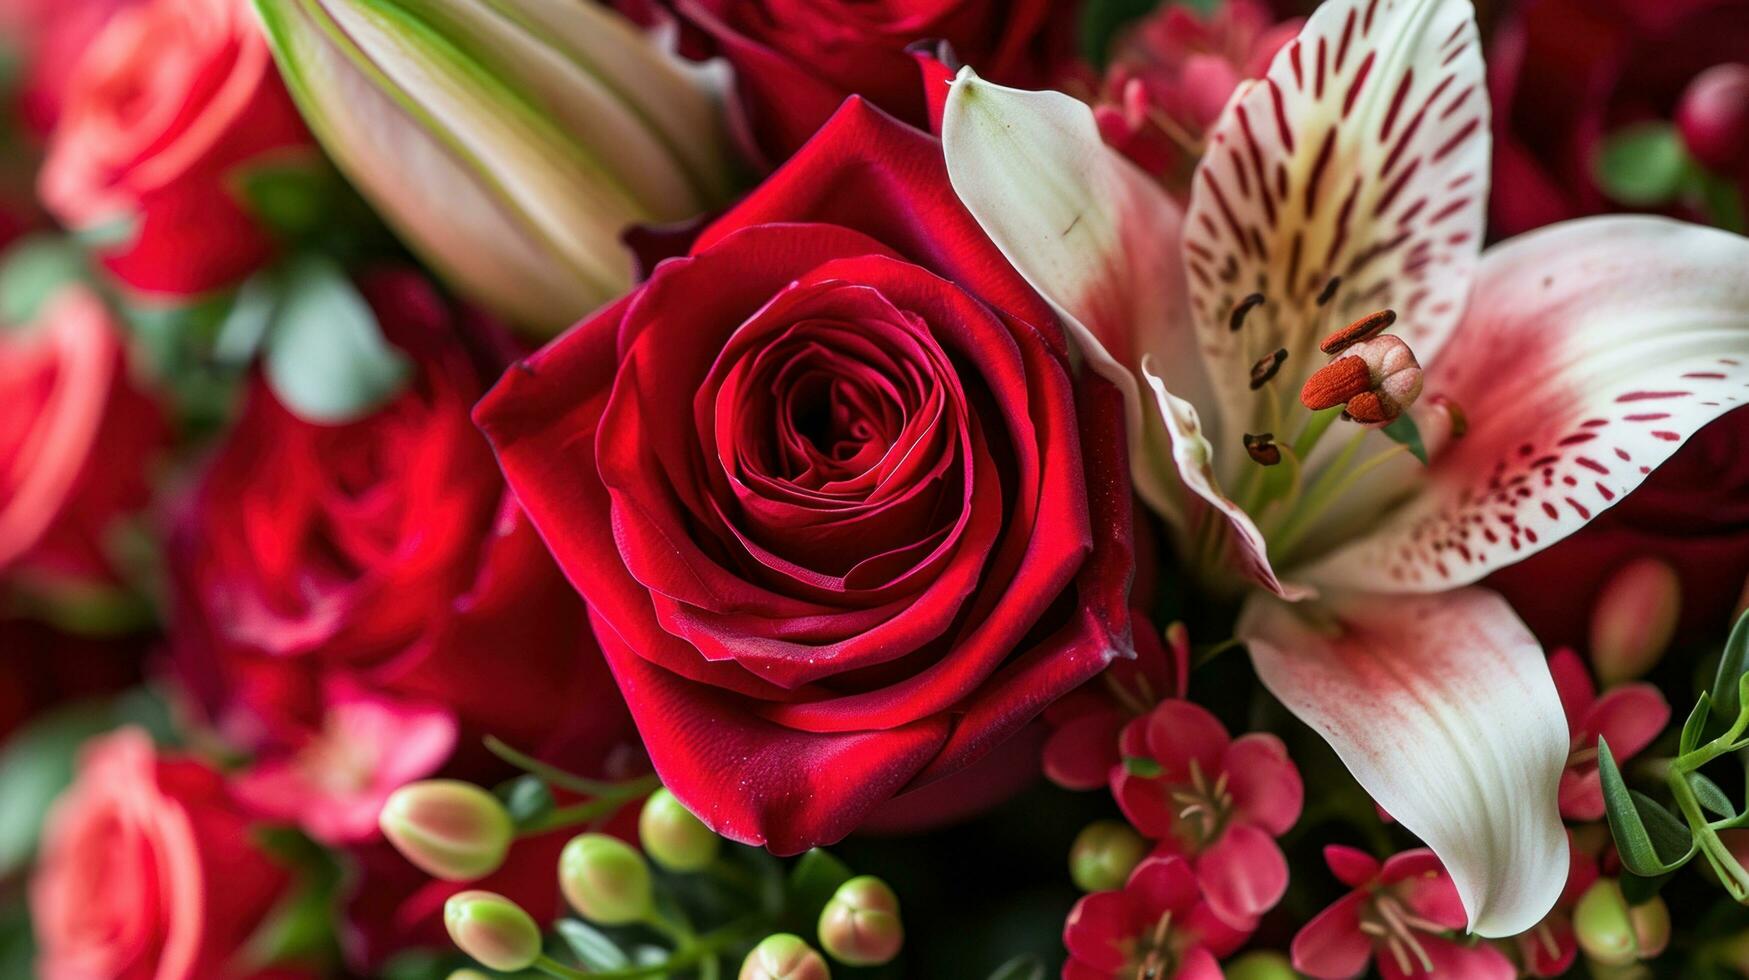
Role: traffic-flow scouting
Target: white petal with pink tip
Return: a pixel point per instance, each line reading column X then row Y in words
column 1591, row 350
column 1362, row 154
column 1443, row 708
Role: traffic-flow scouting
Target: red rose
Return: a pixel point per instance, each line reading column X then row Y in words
column 796, row 60
column 168, row 108
column 76, row 439
column 845, row 515
column 380, row 559
column 1692, row 512
column 47, row 37
column 1565, row 73
column 148, row 872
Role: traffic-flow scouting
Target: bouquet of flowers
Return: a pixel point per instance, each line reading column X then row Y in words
column 789, row 489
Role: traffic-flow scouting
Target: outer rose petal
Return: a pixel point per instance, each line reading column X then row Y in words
column 1592, row 349
column 1442, row 708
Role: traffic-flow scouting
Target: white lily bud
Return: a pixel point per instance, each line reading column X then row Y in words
column 509, row 143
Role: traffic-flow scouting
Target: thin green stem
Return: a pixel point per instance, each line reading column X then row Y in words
column 552, row 775
column 1735, row 879
column 591, row 810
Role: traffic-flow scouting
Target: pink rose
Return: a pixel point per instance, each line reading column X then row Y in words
column 148, row 872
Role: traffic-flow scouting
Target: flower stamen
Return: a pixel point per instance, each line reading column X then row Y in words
column 1262, row 449
column 1241, row 308
column 1266, row 367
column 1365, row 328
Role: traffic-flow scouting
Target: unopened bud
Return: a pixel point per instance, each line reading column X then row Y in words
column 1713, row 117
column 1260, row 965
column 606, row 880
column 673, row 837
column 1104, row 854
column 1634, row 619
column 449, row 829
column 1613, row 933
column 493, row 930
column 467, row 974
column 784, row 957
column 860, row 925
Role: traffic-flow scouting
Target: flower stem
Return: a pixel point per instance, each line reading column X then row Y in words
column 606, row 804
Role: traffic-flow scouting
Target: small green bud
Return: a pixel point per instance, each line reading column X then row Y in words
column 673, row 837
column 784, row 957
column 860, row 925
column 493, row 930
column 1613, row 933
column 449, row 829
column 606, row 880
column 467, row 974
column 1262, row 964
column 1104, row 854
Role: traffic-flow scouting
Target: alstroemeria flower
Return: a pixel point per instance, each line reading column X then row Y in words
column 1406, row 910
column 1218, row 801
column 335, row 784
column 1627, row 716
column 1347, row 187
column 1156, row 926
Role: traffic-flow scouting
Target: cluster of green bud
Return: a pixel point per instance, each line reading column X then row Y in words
column 673, row 837
column 606, row 880
column 1104, row 854
column 784, row 957
column 1613, row 933
column 451, row 830
column 860, row 925
column 493, row 930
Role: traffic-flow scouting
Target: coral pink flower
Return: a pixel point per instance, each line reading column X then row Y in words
column 336, row 782
column 1082, row 746
column 1628, row 717
column 1218, row 801
column 1407, row 909
column 1156, row 926
column 1171, row 76
column 1549, row 948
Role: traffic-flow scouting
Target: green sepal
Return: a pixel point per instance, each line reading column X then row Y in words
column 1405, row 431
column 1635, row 839
column 1695, row 726
column 1142, row 766
column 1733, row 666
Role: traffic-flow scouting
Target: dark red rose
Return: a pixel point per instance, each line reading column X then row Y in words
column 379, row 566
column 149, row 871
column 845, row 514
column 42, row 667
column 1692, row 513
column 78, row 436
column 169, row 107
column 1565, row 73
column 796, row 60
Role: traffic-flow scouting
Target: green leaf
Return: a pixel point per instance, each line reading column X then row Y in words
column 1711, row 796
column 811, row 884
column 109, row 233
column 1627, row 822
column 245, row 325
column 1642, row 164
column 36, row 764
column 32, row 271
column 1695, row 725
column 594, row 950
column 527, row 798
column 1733, row 666
column 290, row 197
column 1404, row 431
column 1142, row 766
column 326, row 358
column 1639, row 890
column 1025, row 967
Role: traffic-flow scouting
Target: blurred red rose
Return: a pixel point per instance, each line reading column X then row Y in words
column 844, row 512
column 316, row 565
column 1692, row 513
column 46, row 37
column 42, row 667
column 77, row 436
column 796, row 60
column 1565, row 73
column 169, row 106
column 148, row 871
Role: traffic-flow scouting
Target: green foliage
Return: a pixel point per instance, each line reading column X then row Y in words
column 1643, row 165
column 325, row 355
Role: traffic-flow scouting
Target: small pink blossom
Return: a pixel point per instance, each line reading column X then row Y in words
column 1085, row 725
column 1407, row 911
column 1157, row 925
column 1217, row 801
column 1628, row 717
column 336, row 782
